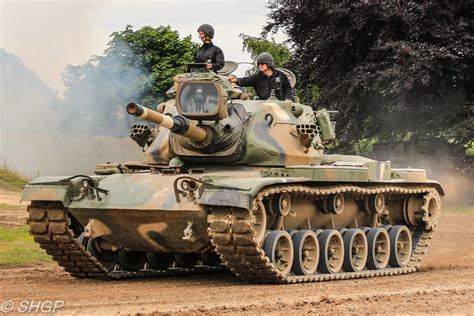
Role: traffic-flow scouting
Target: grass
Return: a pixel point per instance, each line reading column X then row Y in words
column 11, row 180
column 17, row 248
column 4, row 206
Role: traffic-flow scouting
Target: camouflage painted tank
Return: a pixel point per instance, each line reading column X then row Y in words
column 244, row 184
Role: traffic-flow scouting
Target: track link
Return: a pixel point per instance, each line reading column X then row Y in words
column 233, row 235
column 50, row 226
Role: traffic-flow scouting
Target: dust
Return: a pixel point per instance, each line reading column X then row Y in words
column 442, row 162
column 48, row 154
column 455, row 180
column 459, row 189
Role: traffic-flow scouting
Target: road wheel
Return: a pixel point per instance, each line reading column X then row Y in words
column 292, row 232
column 331, row 248
column 400, row 246
column 306, row 247
column 355, row 250
column 279, row 249
column 379, row 248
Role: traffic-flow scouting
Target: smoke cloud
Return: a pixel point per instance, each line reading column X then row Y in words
column 44, row 135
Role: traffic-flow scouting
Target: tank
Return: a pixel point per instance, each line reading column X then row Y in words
column 227, row 183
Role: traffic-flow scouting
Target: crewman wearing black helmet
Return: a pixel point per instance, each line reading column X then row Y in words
column 266, row 80
column 208, row 52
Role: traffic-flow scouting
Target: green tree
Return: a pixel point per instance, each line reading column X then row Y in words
column 255, row 46
column 158, row 50
column 391, row 68
column 136, row 66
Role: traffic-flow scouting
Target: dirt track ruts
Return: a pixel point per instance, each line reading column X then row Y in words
column 445, row 284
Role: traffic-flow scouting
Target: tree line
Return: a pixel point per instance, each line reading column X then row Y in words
column 394, row 70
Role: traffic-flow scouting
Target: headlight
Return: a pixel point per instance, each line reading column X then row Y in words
column 201, row 100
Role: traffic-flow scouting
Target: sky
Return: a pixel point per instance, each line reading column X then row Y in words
column 49, row 35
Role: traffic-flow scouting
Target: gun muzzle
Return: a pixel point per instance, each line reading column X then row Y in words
column 177, row 124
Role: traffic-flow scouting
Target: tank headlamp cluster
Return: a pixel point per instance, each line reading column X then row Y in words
column 201, row 100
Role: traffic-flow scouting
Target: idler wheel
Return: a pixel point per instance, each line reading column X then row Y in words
column 431, row 209
column 332, row 251
column 106, row 257
column 260, row 223
column 306, row 257
column 278, row 248
column 412, row 210
column 187, row 260
column 159, row 261
column 131, row 260
column 355, row 249
column 400, row 246
column 267, row 232
column 425, row 209
column 379, row 248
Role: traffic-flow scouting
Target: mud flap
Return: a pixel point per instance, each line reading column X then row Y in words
column 46, row 193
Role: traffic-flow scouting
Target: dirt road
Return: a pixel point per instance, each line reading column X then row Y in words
column 444, row 285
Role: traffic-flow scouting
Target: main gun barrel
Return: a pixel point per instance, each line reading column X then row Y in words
column 176, row 124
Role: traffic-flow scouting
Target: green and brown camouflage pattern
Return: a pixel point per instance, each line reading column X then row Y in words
column 143, row 206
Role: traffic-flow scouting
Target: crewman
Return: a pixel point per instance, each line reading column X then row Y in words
column 209, row 53
column 266, row 80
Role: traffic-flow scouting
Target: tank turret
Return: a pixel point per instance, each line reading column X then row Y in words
column 212, row 119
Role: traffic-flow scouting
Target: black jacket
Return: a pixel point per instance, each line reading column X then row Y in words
column 211, row 54
column 264, row 84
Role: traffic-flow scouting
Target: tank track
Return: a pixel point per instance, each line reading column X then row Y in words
column 50, row 227
column 233, row 232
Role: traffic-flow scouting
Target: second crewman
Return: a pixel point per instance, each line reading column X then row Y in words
column 266, row 80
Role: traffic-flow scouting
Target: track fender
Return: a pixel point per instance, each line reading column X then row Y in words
column 240, row 192
column 47, row 189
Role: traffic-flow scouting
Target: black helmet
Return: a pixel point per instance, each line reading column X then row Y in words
column 265, row 58
column 208, row 29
